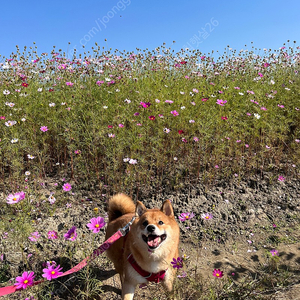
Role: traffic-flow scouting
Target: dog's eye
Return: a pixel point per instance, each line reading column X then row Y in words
column 145, row 223
column 160, row 223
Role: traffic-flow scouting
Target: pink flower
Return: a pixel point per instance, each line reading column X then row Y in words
column 70, row 83
column 145, row 104
column 221, row 102
column 34, row 236
column 17, row 197
column 196, row 139
column 218, row 273
column 274, row 252
column 52, row 272
column 77, row 151
column 281, row 178
column 96, row 224
column 121, row 125
column 67, row 187
column 71, row 235
column 280, row 105
column 44, row 128
column 52, row 235
column 25, row 280
column 207, row 216
column 263, row 108
column 174, row 113
column 186, row 216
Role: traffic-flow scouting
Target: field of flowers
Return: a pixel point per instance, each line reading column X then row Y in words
column 132, row 122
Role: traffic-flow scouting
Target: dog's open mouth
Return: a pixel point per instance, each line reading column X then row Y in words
column 153, row 241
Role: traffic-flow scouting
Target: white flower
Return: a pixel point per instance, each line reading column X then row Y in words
column 191, row 121
column 51, row 199
column 105, row 107
column 241, row 93
column 13, row 141
column 272, row 81
column 27, row 173
column 52, row 104
column 63, row 103
column 287, row 89
column 40, row 89
column 126, row 159
column 117, row 90
column 127, row 100
column 182, row 107
column 23, row 119
column 10, row 104
column 30, row 156
column 107, row 79
column 157, row 100
column 132, row 161
column 257, row 116
column 10, row 123
column 182, row 93
column 175, row 158
column 167, row 130
column 6, row 92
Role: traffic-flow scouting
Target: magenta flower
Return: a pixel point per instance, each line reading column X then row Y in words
column 274, row 252
column 174, row 113
column 177, row 263
column 77, row 151
column 221, row 102
column 44, row 128
column 71, row 235
column 152, row 118
column 70, row 83
column 96, row 224
column 218, row 273
column 34, row 236
column 67, row 187
column 207, row 216
column 52, row 235
column 52, row 272
column 25, row 280
column 17, row 197
column 281, row 178
column 186, row 216
column 145, row 104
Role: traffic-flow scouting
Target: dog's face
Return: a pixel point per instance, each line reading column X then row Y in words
column 155, row 229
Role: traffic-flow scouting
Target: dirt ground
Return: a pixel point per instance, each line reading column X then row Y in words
column 250, row 218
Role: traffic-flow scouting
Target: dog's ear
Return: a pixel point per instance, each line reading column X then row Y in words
column 167, row 208
column 140, row 209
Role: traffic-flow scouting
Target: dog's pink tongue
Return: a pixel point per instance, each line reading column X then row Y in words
column 153, row 241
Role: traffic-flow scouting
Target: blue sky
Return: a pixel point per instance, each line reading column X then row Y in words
column 127, row 24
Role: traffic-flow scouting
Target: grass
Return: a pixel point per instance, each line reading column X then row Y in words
column 118, row 121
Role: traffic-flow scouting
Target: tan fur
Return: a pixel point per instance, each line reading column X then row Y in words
column 159, row 258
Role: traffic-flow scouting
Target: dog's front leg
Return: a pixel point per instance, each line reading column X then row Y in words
column 127, row 290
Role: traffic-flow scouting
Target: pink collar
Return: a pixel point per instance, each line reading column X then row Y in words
column 156, row 277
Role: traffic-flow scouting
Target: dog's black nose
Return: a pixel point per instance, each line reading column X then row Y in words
column 150, row 228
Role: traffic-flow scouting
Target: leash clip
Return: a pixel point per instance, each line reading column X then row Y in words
column 126, row 228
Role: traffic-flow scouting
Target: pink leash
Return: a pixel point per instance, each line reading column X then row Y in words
column 120, row 233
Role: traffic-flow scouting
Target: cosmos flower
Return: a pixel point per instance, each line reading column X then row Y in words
column 44, row 128
column 25, row 280
column 177, row 263
column 221, row 102
column 218, row 273
column 52, row 235
column 96, row 224
column 34, row 236
column 186, row 216
column 207, row 216
column 274, row 252
column 71, row 235
column 15, row 198
column 67, row 187
column 52, row 272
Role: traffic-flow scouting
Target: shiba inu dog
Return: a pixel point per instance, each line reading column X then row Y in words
column 146, row 252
